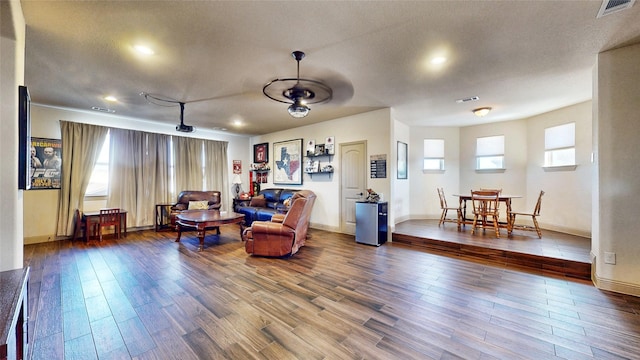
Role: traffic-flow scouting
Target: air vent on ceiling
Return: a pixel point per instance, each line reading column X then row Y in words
column 101, row 109
column 473, row 98
column 611, row 6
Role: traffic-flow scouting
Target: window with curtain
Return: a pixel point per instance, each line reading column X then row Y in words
column 99, row 182
column 138, row 169
column 490, row 152
column 433, row 154
column 559, row 145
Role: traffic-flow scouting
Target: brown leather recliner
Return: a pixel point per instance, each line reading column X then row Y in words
column 212, row 197
column 286, row 233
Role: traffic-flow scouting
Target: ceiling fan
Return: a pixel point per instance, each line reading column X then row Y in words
column 163, row 101
column 297, row 92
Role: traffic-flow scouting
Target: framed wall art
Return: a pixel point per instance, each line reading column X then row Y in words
column 261, row 153
column 402, row 160
column 287, row 157
column 46, row 163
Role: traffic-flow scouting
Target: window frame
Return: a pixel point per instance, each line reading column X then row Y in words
column 436, row 155
column 551, row 151
column 487, row 154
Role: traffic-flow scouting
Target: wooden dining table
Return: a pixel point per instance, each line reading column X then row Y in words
column 502, row 198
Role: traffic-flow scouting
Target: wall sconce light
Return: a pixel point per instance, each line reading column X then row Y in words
column 480, row 112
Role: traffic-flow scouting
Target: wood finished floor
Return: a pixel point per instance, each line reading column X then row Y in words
column 146, row 297
column 556, row 253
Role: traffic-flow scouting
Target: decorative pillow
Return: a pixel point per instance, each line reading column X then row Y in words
column 258, row 201
column 287, row 202
column 198, row 205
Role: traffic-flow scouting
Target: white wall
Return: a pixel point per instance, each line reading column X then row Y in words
column 373, row 127
column 564, row 208
column 513, row 179
column 566, row 205
column 424, row 198
column 617, row 122
column 400, row 197
column 40, row 206
column 12, row 45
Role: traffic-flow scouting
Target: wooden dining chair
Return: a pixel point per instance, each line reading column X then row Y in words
column 445, row 208
column 534, row 215
column 485, row 205
column 80, row 226
column 498, row 190
column 109, row 217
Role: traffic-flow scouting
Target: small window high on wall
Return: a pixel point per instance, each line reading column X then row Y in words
column 433, row 154
column 490, row 153
column 559, row 145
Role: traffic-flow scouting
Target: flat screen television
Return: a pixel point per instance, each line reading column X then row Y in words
column 24, row 138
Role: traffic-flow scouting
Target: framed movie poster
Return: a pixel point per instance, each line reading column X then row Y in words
column 46, row 163
column 287, row 162
column 261, row 153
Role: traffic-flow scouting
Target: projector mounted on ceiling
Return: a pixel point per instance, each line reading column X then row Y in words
column 182, row 127
column 165, row 101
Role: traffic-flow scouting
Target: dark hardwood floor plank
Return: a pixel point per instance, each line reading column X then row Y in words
column 49, row 347
column 107, row 337
column 291, row 342
column 152, row 317
column 80, row 348
column 203, row 345
column 135, row 336
column 169, row 346
column 147, row 297
column 76, row 323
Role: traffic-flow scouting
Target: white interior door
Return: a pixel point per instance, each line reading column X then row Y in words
column 353, row 181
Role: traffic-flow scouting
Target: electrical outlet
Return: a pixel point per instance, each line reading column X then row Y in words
column 609, row 258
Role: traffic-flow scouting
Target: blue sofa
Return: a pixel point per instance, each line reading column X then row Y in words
column 262, row 210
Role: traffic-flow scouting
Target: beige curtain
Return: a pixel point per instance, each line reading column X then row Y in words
column 188, row 163
column 139, row 174
column 82, row 144
column 216, row 170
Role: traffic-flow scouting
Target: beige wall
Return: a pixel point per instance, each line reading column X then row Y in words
column 12, row 45
column 617, row 184
column 566, row 205
column 373, row 127
column 424, row 198
column 565, row 208
column 40, row 206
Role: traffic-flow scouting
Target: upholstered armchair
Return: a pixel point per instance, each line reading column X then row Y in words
column 286, row 233
column 195, row 200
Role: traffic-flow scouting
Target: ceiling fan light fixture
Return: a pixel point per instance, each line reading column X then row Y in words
column 298, row 109
column 480, row 112
column 297, row 92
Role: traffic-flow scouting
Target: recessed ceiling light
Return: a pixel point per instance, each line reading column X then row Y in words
column 145, row 50
column 438, row 60
column 111, row 98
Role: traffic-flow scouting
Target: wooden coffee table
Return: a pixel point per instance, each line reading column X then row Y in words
column 202, row 220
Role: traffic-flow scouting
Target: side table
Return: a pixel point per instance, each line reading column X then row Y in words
column 163, row 220
column 14, row 314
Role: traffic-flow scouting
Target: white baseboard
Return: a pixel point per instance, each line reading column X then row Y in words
column 612, row 285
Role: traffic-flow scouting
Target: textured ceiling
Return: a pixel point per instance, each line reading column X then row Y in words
column 520, row 57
